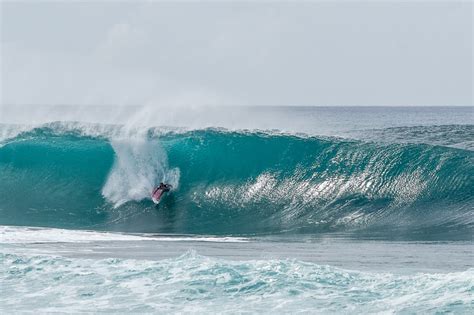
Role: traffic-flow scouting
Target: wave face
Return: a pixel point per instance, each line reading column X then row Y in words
column 239, row 183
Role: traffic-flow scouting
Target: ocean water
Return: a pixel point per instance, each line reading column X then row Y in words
column 274, row 209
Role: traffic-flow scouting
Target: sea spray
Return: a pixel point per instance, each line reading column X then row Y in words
column 140, row 165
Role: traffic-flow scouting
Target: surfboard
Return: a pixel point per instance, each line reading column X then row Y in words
column 157, row 194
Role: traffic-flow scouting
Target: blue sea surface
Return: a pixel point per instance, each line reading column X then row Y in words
column 273, row 210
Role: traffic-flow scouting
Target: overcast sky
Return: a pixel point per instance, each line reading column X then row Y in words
column 237, row 53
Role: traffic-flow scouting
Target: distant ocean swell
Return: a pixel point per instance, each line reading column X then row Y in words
column 194, row 284
column 242, row 183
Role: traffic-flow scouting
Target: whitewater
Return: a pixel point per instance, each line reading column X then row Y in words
column 273, row 210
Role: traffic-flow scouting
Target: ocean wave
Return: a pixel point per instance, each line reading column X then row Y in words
column 94, row 176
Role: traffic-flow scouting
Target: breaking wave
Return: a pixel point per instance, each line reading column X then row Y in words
column 239, row 183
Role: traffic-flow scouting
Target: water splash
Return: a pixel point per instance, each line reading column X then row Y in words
column 140, row 165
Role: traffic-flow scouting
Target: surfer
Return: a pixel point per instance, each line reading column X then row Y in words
column 159, row 191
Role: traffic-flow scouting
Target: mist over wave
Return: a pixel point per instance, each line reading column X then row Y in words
column 348, row 122
column 100, row 176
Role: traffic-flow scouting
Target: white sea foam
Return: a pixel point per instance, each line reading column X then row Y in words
column 13, row 234
column 196, row 284
column 28, row 235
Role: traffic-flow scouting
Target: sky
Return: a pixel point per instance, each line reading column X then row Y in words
column 195, row 53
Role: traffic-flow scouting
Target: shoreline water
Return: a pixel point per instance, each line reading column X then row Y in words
column 342, row 252
column 173, row 275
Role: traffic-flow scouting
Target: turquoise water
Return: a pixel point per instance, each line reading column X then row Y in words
column 238, row 183
column 393, row 174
